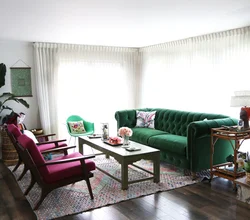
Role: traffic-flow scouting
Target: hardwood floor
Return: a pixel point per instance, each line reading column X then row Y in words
column 205, row 200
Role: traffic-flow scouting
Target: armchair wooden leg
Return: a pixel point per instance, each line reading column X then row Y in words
column 17, row 165
column 89, row 188
column 32, row 183
column 42, row 197
column 25, row 169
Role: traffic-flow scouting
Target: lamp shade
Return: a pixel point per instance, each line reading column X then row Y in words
column 240, row 98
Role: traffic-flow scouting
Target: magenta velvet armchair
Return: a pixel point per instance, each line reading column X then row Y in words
column 55, row 173
column 14, row 132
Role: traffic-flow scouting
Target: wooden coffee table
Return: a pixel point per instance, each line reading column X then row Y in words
column 125, row 158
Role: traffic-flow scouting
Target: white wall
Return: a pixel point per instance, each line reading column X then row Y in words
column 10, row 53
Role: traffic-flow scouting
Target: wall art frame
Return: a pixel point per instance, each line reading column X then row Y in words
column 21, row 81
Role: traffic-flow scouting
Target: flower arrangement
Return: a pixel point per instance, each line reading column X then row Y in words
column 244, row 161
column 247, row 163
column 125, row 131
column 115, row 140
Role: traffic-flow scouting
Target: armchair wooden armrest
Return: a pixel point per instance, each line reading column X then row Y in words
column 45, row 135
column 66, row 160
column 58, row 149
column 51, row 142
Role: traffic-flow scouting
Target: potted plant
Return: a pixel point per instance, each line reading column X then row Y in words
column 244, row 163
column 247, row 166
column 9, row 155
column 6, row 97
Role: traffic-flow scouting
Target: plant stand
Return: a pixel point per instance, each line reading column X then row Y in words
column 9, row 153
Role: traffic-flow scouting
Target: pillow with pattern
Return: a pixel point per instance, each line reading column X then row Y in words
column 145, row 119
column 76, row 127
column 30, row 135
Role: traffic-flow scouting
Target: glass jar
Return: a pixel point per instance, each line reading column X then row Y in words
column 105, row 131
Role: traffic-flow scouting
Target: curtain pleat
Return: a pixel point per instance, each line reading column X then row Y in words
column 46, row 84
column 91, row 81
column 199, row 73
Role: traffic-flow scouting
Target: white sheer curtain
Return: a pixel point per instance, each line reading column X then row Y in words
column 46, row 84
column 197, row 74
column 91, row 81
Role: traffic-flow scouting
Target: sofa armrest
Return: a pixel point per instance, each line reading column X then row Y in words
column 126, row 118
column 202, row 128
column 199, row 143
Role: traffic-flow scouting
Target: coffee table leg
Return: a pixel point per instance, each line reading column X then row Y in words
column 157, row 169
column 124, row 175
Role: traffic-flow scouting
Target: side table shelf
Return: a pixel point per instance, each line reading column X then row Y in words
column 228, row 170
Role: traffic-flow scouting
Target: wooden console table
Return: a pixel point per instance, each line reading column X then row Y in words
column 228, row 170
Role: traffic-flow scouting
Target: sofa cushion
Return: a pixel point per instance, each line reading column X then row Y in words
column 142, row 135
column 168, row 142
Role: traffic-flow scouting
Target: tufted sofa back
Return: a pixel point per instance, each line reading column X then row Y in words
column 172, row 121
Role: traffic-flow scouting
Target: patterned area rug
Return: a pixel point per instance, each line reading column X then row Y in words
column 75, row 198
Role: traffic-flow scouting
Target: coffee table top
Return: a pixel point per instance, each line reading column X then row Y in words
column 119, row 150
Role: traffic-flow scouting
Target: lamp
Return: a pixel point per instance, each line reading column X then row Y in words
column 242, row 99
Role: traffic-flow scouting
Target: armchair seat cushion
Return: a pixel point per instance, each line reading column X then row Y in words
column 44, row 147
column 168, row 142
column 142, row 135
column 61, row 171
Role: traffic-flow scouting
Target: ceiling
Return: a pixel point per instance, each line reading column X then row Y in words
column 128, row 23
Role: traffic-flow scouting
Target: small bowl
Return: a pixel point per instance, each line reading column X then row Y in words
column 37, row 131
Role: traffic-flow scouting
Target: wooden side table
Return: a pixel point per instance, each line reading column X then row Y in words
column 243, row 190
column 228, row 170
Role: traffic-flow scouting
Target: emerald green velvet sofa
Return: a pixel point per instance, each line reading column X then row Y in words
column 182, row 137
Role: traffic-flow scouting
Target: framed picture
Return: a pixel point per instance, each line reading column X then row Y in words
column 21, row 81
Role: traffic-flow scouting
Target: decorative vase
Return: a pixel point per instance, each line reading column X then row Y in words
column 125, row 141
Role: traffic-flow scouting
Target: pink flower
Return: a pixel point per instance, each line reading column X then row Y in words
column 125, row 131
column 115, row 140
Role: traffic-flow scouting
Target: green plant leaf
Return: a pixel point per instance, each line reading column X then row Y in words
column 5, row 97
